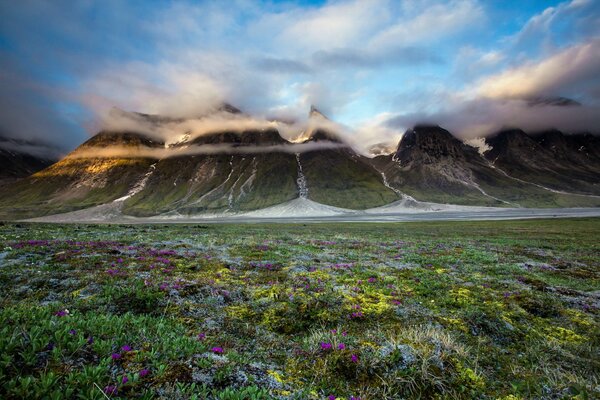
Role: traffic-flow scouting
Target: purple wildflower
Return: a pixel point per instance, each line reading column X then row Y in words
column 344, row 333
column 125, row 379
column 341, row 346
column 126, row 348
column 325, row 346
column 331, row 397
column 217, row 350
column 372, row 280
column 110, row 390
column 144, row 372
column 354, row 358
column 90, row 340
column 201, row 336
column 62, row 313
column 116, row 356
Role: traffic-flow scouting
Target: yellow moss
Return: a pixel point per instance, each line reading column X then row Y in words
column 276, row 375
column 270, row 292
column 441, row 270
column 470, row 377
column 373, row 303
column 455, row 323
column 579, row 318
column 462, row 295
column 563, row 335
column 239, row 311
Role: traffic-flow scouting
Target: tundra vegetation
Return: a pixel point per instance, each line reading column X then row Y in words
column 486, row 310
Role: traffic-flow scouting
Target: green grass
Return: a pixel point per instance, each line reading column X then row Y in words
column 431, row 310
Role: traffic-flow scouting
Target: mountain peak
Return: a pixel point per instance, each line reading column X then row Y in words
column 226, row 107
column 510, row 137
column 314, row 112
column 428, row 143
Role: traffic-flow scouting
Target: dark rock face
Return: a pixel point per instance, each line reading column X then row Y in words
column 430, row 164
column 267, row 137
column 429, row 144
column 561, row 162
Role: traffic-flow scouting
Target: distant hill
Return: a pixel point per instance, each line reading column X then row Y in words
column 21, row 158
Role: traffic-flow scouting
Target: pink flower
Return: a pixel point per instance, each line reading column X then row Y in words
column 354, row 358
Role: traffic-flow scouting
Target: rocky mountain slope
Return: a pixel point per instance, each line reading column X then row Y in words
column 431, row 164
column 561, row 162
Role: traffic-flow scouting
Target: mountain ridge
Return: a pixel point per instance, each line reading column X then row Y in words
column 151, row 177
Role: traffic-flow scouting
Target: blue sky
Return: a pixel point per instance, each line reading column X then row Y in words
column 376, row 66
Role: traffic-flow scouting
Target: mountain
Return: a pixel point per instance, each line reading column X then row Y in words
column 83, row 178
column 239, row 176
column 569, row 163
column 430, row 164
column 227, row 170
column 21, row 158
column 336, row 174
column 219, row 171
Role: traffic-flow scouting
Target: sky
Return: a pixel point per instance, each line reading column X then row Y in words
column 376, row 67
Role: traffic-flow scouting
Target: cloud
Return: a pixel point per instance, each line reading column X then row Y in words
column 357, row 60
column 430, row 22
column 281, row 65
column 556, row 26
column 207, row 149
column 352, row 58
column 505, row 99
column 482, row 117
column 572, row 71
column 36, row 111
column 334, row 25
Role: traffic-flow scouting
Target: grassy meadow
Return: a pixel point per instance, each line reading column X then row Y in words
column 444, row 310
